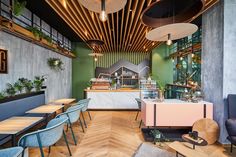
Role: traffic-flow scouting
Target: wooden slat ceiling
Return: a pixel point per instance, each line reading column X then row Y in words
column 122, row 32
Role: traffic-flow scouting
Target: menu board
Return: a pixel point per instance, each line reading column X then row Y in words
column 3, row 61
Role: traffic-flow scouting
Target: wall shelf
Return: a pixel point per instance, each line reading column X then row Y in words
column 21, row 32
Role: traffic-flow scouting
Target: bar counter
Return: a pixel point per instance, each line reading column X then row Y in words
column 119, row 99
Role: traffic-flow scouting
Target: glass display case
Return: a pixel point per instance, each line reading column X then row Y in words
column 148, row 89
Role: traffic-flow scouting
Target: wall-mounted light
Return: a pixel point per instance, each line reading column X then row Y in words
column 169, row 41
column 192, row 54
column 103, row 15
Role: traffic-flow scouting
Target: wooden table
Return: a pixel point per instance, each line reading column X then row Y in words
column 47, row 109
column 184, row 150
column 15, row 125
column 66, row 102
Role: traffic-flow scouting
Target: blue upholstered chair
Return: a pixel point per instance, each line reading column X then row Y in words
column 85, row 103
column 11, row 152
column 139, row 102
column 46, row 137
column 73, row 115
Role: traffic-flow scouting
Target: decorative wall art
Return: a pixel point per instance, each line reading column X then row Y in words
column 3, row 61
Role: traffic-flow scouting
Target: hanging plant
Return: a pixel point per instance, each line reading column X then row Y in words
column 55, row 64
column 18, row 7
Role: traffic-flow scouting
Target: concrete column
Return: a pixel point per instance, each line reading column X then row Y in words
column 219, row 58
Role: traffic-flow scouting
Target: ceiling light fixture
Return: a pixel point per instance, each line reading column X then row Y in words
column 103, row 14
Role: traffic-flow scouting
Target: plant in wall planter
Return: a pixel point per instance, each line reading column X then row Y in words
column 55, row 64
column 10, row 90
column 19, row 86
column 2, row 95
column 38, row 82
column 28, row 84
column 18, row 7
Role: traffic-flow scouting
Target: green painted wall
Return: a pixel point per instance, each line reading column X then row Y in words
column 111, row 58
column 162, row 68
column 82, row 69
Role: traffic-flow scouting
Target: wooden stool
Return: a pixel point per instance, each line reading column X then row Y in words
column 207, row 129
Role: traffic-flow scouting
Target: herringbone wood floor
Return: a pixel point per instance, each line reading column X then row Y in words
column 111, row 134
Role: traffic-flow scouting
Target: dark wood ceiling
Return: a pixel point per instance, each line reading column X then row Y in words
column 122, row 32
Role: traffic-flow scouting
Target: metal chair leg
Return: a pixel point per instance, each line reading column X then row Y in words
column 67, row 127
column 49, row 149
column 40, row 145
column 140, row 124
column 137, row 116
column 72, row 132
column 84, row 120
column 89, row 115
column 68, row 147
column 81, row 124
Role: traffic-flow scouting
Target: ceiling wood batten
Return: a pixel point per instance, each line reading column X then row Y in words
column 122, row 32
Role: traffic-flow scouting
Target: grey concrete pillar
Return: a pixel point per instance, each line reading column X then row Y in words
column 219, row 58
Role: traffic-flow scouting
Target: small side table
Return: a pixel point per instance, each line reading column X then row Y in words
column 199, row 142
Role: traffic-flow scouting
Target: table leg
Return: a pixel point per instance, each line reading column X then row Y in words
column 193, row 146
column 177, row 154
column 13, row 140
column 63, row 108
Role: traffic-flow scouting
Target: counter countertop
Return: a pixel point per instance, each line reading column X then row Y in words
column 115, row 90
column 174, row 102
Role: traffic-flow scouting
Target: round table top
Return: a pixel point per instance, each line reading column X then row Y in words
column 111, row 5
column 188, row 139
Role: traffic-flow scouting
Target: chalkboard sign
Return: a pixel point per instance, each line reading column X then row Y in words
column 3, row 61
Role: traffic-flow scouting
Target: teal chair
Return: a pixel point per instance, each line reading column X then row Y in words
column 11, row 152
column 46, row 137
column 139, row 102
column 73, row 115
column 84, row 103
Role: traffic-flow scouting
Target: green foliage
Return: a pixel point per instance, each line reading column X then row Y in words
column 38, row 82
column 18, row 7
column 27, row 84
column 161, row 85
column 10, row 90
column 55, row 64
column 158, row 136
column 39, row 34
column 2, row 95
column 18, row 86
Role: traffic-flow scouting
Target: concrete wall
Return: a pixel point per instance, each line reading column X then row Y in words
column 28, row 60
column 219, row 58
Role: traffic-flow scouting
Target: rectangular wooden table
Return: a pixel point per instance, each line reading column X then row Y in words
column 66, row 102
column 47, row 109
column 15, row 125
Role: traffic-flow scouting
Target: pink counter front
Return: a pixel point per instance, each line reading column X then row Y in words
column 174, row 112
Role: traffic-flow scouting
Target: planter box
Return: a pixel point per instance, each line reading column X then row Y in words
column 18, row 105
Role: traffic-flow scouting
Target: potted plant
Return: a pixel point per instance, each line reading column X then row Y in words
column 10, row 90
column 38, row 82
column 158, row 137
column 18, row 7
column 161, row 90
column 55, row 64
